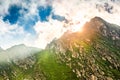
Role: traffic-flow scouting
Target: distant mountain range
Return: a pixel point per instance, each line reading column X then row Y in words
column 16, row 52
column 93, row 54
column 1, row 49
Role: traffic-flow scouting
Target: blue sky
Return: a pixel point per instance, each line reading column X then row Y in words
column 38, row 22
column 13, row 14
column 17, row 13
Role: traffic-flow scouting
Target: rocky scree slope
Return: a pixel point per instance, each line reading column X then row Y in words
column 94, row 53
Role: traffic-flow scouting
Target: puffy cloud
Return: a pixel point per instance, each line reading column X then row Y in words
column 48, row 31
column 5, row 5
column 85, row 10
column 76, row 12
column 11, row 34
column 65, row 15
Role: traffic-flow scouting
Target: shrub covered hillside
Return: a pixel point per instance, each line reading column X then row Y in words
column 92, row 54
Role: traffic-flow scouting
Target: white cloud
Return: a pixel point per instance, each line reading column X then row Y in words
column 11, row 34
column 30, row 5
column 85, row 10
column 48, row 31
column 74, row 11
column 4, row 5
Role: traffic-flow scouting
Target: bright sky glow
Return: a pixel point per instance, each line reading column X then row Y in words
column 37, row 22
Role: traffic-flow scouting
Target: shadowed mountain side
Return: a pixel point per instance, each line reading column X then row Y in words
column 93, row 53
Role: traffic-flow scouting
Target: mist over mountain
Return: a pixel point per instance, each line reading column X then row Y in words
column 17, row 52
column 90, row 54
column 39, row 22
column 1, row 49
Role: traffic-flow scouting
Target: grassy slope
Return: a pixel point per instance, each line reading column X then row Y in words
column 53, row 69
column 99, row 56
column 45, row 68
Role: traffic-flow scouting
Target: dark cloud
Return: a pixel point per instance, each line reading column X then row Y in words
column 58, row 17
column 105, row 7
column 108, row 7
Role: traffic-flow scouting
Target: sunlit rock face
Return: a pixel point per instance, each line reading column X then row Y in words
column 90, row 54
column 93, row 53
column 23, row 23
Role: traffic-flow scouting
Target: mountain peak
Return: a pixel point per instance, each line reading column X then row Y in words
column 95, row 24
column 21, row 45
column 92, row 29
column 17, row 46
column 94, row 52
column 99, row 26
column 97, row 19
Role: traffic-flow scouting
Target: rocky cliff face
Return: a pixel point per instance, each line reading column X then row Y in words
column 94, row 53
